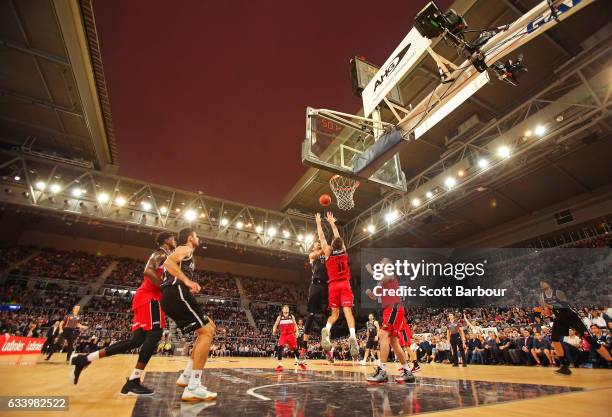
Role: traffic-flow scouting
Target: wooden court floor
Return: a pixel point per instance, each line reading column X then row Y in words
column 97, row 392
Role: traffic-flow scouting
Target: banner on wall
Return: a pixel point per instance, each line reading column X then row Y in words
column 11, row 345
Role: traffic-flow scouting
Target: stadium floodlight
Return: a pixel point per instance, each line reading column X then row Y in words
column 258, row 228
column 309, row 238
column 239, row 224
column 503, row 151
column 528, row 133
column 416, row 202
column 286, row 234
column 224, row 221
column 145, row 205
column 77, row 192
column 271, row 231
column 163, row 209
column 371, row 228
column 483, row 163
column 450, row 182
column 391, row 216
column 17, row 178
column 55, row 188
column 40, row 185
column 103, row 198
column 429, row 194
column 540, row 130
column 120, row 201
column 300, row 237
column 190, row 215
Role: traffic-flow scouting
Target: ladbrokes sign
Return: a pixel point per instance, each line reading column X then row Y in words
column 10, row 345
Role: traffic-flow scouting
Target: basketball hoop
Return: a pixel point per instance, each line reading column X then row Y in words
column 344, row 188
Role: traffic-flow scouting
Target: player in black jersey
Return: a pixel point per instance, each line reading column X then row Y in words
column 372, row 329
column 300, row 338
column 148, row 323
column 317, row 292
column 181, row 306
column 565, row 316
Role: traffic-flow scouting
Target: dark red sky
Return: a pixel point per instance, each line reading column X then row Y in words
column 211, row 96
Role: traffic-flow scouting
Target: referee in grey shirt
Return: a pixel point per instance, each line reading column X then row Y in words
column 69, row 331
column 456, row 337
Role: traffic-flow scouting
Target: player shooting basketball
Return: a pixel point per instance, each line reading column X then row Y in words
column 339, row 284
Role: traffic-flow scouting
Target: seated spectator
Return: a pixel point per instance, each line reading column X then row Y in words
column 540, row 350
column 604, row 340
column 524, row 344
column 475, row 350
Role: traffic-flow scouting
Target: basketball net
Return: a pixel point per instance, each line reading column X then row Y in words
column 344, row 188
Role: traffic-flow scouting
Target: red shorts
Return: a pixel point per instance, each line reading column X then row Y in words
column 394, row 321
column 289, row 340
column 405, row 336
column 149, row 316
column 340, row 294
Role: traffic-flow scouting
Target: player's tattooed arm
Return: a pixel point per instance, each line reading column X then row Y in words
column 152, row 265
column 332, row 222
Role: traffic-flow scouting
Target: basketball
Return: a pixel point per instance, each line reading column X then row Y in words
column 325, row 200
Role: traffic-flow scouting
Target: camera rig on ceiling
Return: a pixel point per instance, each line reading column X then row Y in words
column 431, row 23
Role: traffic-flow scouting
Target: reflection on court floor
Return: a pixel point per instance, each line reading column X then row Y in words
column 262, row 392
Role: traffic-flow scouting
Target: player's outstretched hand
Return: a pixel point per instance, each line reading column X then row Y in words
column 318, row 217
column 330, row 217
column 193, row 286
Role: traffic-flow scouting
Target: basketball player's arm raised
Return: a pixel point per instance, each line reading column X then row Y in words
column 332, row 222
column 152, row 266
column 172, row 266
column 324, row 244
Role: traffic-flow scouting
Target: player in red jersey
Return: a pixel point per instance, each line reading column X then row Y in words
column 148, row 324
column 288, row 331
column 340, row 294
column 393, row 331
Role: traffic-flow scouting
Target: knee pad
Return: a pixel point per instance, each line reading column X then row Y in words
column 149, row 346
column 135, row 341
column 138, row 337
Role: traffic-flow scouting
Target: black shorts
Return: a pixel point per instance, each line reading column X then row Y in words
column 372, row 344
column 564, row 319
column 178, row 304
column 317, row 298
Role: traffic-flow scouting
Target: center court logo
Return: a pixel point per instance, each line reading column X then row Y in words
column 392, row 66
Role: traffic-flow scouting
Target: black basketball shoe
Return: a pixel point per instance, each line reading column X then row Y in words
column 563, row 370
column 79, row 362
column 134, row 387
